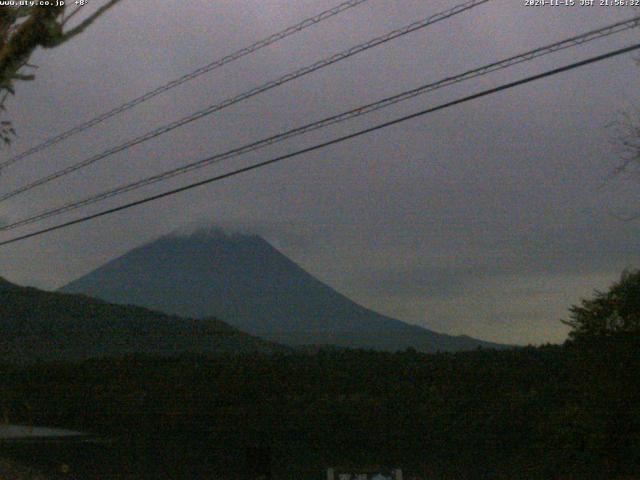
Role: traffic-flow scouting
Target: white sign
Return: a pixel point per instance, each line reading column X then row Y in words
column 342, row 474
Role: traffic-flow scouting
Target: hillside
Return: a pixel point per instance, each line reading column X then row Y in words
column 245, row 281
column 45, row 326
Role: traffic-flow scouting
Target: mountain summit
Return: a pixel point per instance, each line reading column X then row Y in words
column 245, row 281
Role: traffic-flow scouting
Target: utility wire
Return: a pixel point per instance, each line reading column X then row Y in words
column 344, row 116
column 319, row 146
column 276, row 37
column 251, row 93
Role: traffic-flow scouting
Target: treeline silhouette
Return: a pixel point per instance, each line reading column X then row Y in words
column 537, row 412
column 567, row 411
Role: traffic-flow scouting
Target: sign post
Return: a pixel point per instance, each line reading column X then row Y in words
column 334, row 473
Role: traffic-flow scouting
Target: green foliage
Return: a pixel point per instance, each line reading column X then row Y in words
column 615, row 313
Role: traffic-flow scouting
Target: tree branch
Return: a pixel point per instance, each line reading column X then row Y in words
column 84, row 24
column 20, row 76
column 70, row 16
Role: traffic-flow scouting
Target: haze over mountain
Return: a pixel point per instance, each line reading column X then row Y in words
column 245, row 281
column 48, row 326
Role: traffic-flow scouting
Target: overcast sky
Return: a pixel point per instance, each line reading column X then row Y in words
column 488, row 219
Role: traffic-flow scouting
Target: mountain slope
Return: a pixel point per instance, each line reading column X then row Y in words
column 248, row 283
column 45, row 326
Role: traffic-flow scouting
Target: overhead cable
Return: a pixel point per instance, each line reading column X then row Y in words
column 334, row 119
column 232, row 57
column 248, row 94
column 319, row 146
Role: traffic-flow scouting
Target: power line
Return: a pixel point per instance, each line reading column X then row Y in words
column 319, row 146
column 276, row 37
column 251, row 93
column 344, row 116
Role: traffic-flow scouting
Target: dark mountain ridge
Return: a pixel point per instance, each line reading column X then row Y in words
column 39, row 326
column 251, row 285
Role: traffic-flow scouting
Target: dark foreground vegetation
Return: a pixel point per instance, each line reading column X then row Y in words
column 526, row 413
column 570, row 411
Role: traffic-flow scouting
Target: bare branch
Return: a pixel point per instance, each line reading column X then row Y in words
column 70, row 16
column 626, row 141
column 4, row 98
column 26, row 78
column 86, row 23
